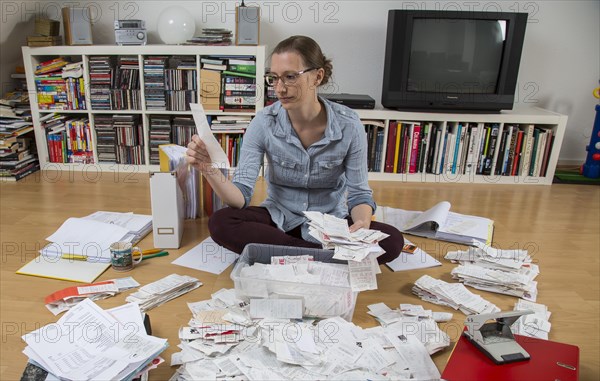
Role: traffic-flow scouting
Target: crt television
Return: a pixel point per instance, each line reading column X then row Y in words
column 452, row 60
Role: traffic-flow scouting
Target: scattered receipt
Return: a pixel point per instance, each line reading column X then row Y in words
column 218, row 157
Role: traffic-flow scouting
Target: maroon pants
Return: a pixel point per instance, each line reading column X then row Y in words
column 234, row 228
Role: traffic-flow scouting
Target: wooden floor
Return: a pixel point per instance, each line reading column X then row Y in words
column 558, row 224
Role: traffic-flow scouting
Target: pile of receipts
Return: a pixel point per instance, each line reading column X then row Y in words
column 89, row 343
column 67, row 298
column 533, row 325
column 333, row 233
column 156, row 293
column 507, row 272
column 359, row 248
column 453, row 295
column 224, row 341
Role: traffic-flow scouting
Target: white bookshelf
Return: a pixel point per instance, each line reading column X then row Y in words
column 537, row 117
column 541, row 119
column 33, row 56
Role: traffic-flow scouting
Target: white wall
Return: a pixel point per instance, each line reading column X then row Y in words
column 560, row 64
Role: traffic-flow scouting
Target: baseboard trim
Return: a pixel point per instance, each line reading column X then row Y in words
column 569, row 163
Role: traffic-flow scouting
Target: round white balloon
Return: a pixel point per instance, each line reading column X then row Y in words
column 176, row 25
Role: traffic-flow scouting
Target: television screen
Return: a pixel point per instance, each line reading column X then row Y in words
column 455, row 55
column 445, row 60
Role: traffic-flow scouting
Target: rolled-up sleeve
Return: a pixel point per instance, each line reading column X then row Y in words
column 251, row 158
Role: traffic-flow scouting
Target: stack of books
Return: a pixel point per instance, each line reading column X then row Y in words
column 60, row 86
column 228, row 83
column 18, row 157
column 46, row 33
column 69, row 139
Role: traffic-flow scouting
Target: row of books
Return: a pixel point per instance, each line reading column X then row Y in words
column 228, row 83
column 70, row 142
column 461, row 148
column 375, row 132
column 60, row 85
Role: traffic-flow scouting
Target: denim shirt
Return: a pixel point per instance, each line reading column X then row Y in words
column 330, row 176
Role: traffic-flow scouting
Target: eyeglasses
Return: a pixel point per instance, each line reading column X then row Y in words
column 288, row 78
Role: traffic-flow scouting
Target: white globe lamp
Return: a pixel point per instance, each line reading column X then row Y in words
column 176, row 25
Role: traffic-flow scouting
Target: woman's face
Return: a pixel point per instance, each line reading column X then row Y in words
column 297, row 84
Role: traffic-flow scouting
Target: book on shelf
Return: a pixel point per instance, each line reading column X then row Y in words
column 439, row 223
column 375, row 131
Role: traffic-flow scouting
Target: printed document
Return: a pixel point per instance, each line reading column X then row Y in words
column 215, row 151
column 67, row 350
column 439, row 223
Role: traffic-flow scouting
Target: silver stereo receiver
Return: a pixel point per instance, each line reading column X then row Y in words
column 130, row 32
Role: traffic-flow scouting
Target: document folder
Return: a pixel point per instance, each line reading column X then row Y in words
column 549, row 360
column 167, row 203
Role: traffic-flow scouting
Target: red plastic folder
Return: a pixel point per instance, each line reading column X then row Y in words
column 549, row 361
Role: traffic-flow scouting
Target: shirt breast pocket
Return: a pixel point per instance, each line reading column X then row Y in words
column 284, row 170
column 327, row 173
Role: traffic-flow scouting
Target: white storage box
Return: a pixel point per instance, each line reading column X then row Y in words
column 167, row 204
column 330, row 301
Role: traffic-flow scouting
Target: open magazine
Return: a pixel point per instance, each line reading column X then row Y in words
column 439, row 223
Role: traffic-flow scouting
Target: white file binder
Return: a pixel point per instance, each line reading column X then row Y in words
column 167, row 203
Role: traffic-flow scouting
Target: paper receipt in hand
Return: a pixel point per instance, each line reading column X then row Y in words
column 217, row 156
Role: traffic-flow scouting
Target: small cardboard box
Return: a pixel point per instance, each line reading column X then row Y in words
column 47, row 27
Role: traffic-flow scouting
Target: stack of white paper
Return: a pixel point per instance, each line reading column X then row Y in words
column 507, row 272
column 138, row 225
column 533, row 325
column 114, row 351
column 453, row 295
column 156, row 293
column 222, row 342
column 91, row 236
column 188, row 178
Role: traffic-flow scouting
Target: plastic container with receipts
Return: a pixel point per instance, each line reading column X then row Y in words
column 321, row 301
